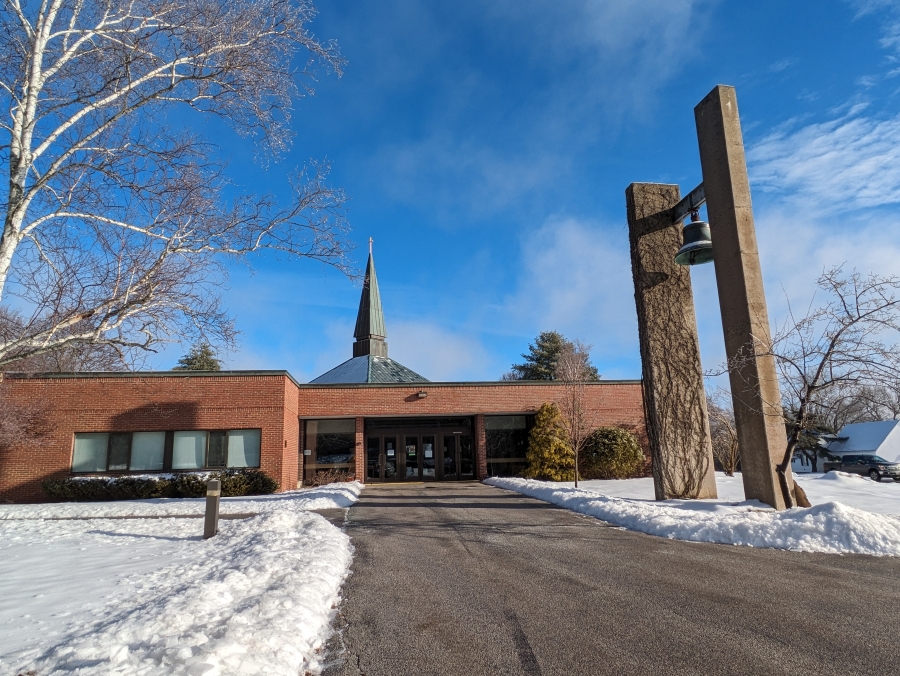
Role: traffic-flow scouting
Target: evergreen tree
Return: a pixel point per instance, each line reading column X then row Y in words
column 549, row 455
column 200, row 358
column 541, row 358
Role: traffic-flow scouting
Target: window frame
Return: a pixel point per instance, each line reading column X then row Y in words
column 168, row 445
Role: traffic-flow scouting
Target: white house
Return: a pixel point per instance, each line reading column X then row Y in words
column 875, row 438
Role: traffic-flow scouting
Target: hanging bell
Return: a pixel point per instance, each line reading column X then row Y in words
column 697, row 247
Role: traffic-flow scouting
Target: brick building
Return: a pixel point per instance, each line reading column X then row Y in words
column 370, row 416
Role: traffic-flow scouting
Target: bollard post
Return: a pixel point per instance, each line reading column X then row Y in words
column 213, row 493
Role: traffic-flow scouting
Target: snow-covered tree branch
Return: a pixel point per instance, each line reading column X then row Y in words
column 117, row 214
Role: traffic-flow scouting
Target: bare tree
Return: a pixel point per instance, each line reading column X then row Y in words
column 834, row 354
column 723, row 432
column 573, row 368
column 118, row 216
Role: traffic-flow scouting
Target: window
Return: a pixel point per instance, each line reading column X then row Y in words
column 333, row 445
column 189, row 450
column 243, row 448
column 147, row 451
column 506, row 438
column 90, row 453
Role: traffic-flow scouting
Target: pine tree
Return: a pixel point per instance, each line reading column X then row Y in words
column 200, row 358
column 549, row 455
column 541, row 358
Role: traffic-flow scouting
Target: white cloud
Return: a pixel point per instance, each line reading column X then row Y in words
column 576, row 279
column 437, row 353
column 852, row 161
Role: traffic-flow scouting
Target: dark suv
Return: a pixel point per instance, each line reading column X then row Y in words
column 874, row 466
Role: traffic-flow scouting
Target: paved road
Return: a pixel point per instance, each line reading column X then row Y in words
column 467, row 579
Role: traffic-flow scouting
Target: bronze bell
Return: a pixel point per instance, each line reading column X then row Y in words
column 697, row 247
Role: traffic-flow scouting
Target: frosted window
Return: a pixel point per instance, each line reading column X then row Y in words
column 189, row 450
column 147, row 449
column 243, row 448
column 90, row 452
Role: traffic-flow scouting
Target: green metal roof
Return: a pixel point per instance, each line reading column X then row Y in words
column 369, row 369
column 370, row 319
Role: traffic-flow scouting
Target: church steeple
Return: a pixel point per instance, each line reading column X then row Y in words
column 370, row 332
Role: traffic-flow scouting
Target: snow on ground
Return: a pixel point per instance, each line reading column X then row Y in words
column 845, row 525
column 150, row 596
column 850, row 489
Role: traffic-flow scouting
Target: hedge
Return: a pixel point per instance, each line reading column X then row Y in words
column 235, row 482
column 611, row 453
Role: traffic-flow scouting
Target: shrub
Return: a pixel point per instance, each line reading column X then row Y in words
column 611, row 453
column 549, row 455
column 235, row 482
column 329, row 476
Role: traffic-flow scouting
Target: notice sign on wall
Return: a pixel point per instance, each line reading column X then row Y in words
column 429, row 454
column 390, row 452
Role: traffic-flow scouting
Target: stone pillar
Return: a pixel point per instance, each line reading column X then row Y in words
column 745, row 320
column 674, row 397
column 360, row 456
column 480, row 448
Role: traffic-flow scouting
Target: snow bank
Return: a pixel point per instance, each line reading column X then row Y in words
column 325, row 497
column 832, row 527
column 256, row 599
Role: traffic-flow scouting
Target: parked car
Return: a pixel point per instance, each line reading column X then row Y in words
column 874, row 466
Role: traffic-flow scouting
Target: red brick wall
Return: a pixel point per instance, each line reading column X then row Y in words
column 360, row 457
column 271, row 402
column 289, row 465
column 144, row 403
column 606, row 403
column 481, row 470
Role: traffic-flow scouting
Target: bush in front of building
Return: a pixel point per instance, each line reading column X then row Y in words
column 323, row 477
column 611, row 453
column 549, row 455
column 235, row 482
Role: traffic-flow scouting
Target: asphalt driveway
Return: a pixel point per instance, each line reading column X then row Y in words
column 468, row 579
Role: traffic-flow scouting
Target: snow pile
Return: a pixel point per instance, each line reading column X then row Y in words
column 832, row 527
column 326, row 497
column 256, row 599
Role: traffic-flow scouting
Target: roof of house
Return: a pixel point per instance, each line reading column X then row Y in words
column 864, row 437
column 369, row 369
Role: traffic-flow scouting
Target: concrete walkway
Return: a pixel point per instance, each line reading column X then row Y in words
column 468, row 579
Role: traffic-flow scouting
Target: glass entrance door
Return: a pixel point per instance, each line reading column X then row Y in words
column 466, row 457
column 413, row 462
column 449, row 461
column 390, row 458
column 429, row 458
column 408, row 450
column 374, row 459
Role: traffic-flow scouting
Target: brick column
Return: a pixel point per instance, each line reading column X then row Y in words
column 360, row 450
column 480, row 448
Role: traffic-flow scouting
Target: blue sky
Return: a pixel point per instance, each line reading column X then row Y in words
column 486, row 147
